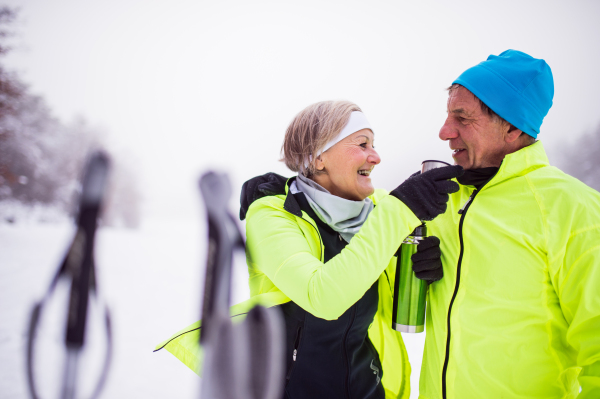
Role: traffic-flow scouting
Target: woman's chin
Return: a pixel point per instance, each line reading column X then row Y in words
column 366, row 191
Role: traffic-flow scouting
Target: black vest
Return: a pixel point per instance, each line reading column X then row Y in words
column 331, row 359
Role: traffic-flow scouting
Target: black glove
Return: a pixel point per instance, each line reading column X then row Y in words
column 427, row 262
column 258, row 187
column 426, row 194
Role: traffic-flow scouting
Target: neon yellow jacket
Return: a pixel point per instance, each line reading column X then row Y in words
column 524, row 294
column 285, row 253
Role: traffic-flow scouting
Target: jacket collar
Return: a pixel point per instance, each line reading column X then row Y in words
column 290, row 204
column 520, row 163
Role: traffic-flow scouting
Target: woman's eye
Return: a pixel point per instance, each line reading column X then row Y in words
column 364, row 145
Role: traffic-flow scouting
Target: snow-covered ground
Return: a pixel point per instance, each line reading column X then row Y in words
column 150, row 278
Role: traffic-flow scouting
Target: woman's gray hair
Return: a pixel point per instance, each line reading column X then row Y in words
column 311, row 130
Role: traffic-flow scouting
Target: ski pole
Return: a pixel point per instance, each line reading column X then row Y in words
column 78, row 266
column 244, row 360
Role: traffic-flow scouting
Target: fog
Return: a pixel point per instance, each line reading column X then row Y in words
column 184, row 86
column 180, row 87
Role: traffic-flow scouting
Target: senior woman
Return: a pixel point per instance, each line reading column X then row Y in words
column 328, row 244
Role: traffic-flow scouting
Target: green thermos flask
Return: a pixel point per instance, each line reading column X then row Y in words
column 409, row 291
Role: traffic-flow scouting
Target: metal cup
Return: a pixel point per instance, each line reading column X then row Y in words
column 430, row 164
column 409, row 291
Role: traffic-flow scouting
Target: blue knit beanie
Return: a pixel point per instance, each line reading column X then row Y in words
column 514, row 85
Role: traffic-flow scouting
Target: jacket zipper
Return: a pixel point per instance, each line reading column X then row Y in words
column 321, row 245
column 347, row 380
column 295, row 352
column 462, row 212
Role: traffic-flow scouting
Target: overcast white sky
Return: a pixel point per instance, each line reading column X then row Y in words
column 183, row 86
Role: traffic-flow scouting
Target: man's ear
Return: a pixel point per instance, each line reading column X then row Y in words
column 512, row 134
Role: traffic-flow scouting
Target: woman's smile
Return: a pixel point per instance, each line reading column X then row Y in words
column 346, row 167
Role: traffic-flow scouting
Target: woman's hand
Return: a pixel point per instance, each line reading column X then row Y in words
column 426, row 194
column 427, row 261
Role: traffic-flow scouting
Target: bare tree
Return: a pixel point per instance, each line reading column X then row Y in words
column 11, row 89
column 41, row 158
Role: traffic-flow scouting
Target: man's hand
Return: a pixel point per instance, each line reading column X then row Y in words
column 258, row 187
column 427, row 262
column 426, row 194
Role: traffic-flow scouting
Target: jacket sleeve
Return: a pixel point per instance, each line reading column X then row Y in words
column 277, row 246
column 580, row 302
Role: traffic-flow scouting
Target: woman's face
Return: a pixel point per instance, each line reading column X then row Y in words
column 347, row 166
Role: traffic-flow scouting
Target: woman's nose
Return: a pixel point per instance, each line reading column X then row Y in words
column 374, row 157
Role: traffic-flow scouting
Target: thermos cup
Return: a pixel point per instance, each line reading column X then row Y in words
column 409, row 291
column 428, row 165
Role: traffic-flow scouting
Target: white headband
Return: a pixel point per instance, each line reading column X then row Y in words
column 358, row 121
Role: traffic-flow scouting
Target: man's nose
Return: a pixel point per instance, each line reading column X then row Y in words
column 448, row 131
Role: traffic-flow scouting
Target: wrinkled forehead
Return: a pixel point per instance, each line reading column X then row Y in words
column 462, row 101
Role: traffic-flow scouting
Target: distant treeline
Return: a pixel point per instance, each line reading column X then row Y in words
column 582, row 158
column 41, row 158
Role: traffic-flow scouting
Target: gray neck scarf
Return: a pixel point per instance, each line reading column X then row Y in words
column 342, row 215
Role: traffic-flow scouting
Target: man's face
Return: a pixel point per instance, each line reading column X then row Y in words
column 478, row 140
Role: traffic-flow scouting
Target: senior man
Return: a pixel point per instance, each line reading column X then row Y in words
column 517, row 314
